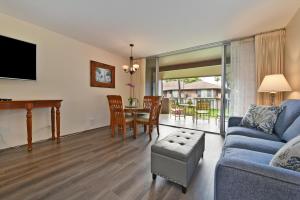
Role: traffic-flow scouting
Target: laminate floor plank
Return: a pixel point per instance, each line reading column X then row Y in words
column 93, row 165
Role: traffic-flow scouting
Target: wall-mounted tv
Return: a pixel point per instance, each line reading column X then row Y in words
column 17, row 59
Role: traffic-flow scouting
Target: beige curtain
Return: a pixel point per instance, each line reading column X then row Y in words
column 269, row 55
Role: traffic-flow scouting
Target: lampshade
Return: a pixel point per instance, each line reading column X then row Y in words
column 125, row 67
column 274, row 83
column 136, row 66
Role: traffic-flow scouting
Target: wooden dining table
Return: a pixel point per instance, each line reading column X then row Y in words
column 133, row 109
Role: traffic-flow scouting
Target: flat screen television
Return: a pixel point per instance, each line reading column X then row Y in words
column 17, row 59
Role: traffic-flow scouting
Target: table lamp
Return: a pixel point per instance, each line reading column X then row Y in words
column 274, row 83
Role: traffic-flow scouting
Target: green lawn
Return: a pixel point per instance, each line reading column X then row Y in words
column 212, row 112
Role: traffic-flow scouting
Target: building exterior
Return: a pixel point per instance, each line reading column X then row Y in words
column 194, row 90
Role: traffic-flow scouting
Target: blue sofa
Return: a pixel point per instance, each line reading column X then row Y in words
column 243, row 171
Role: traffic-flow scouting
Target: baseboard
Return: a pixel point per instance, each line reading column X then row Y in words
column 48, row 139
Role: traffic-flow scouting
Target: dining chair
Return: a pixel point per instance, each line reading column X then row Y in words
column 202, row 109
column 150, row 120
column 121, row 121
column 147, row 103
column 117, row 115
column 175, row 109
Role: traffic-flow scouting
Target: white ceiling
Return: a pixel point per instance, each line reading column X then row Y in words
column 155, row 26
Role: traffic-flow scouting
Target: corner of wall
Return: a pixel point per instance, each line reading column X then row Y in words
column 292, row 56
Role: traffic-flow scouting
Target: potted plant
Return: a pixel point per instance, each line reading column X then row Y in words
column 131, row 98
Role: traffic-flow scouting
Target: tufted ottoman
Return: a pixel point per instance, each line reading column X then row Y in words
column 176, row 156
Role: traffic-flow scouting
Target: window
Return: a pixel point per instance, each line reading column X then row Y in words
column 208, row 93
column 205, row 93
column 175, row 93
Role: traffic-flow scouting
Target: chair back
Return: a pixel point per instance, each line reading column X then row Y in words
column 203, row 105
column 154, row 113
column 115, row 104
column 115, row 101
column 149, row 100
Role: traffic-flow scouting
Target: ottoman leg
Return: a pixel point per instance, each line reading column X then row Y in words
column 183, row 189
column 153, row 176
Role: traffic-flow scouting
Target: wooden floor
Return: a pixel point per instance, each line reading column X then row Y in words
column 92, row 165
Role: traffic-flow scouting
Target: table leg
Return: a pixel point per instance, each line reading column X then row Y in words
column 134, row 125
column 53, row 122
column 29, row 126
column 58, row 122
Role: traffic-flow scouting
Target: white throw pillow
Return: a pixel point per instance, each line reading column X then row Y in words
column 288, row 156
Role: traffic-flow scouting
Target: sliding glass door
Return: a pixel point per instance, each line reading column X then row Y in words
column 201, row 75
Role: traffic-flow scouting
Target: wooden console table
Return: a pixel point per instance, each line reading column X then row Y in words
column 29, row 105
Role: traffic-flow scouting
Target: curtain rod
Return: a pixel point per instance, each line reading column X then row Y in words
column 209, row 45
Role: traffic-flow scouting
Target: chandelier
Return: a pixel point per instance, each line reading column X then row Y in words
column 132, row 68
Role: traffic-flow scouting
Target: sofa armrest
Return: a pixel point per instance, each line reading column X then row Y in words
column 278, row 173
column 237, row 179
column 234, row 121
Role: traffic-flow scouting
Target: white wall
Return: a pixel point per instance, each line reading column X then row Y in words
column 292, row 58
column 62, row 73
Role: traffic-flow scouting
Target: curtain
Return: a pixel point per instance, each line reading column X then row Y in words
column 269, row 55
column 242, row 81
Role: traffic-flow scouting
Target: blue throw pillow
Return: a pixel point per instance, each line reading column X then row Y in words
column 261, row 117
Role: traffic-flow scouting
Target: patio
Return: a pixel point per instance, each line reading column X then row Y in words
column 193, row 103
column 211, row 125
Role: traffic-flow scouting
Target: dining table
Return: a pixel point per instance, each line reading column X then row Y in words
column 135, row 110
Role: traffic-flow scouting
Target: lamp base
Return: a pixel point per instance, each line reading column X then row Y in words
column 272, row 98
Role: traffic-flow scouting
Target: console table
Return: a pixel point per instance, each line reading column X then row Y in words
column 31, row 104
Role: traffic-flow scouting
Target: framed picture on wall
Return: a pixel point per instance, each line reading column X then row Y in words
column 102, row 75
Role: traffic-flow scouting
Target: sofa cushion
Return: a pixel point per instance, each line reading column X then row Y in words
column 236, row 130
column 292, row 131
column 261, row 117
column 254, row 144
column 290, row 111
column 247, row 155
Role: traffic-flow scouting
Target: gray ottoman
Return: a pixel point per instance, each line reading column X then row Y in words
column 177, row 156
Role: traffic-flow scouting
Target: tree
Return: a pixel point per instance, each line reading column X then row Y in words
column 191, row 80
column 217, row 78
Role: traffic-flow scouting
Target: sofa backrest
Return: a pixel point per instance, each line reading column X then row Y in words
column 292, row 131
column 291, row 110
